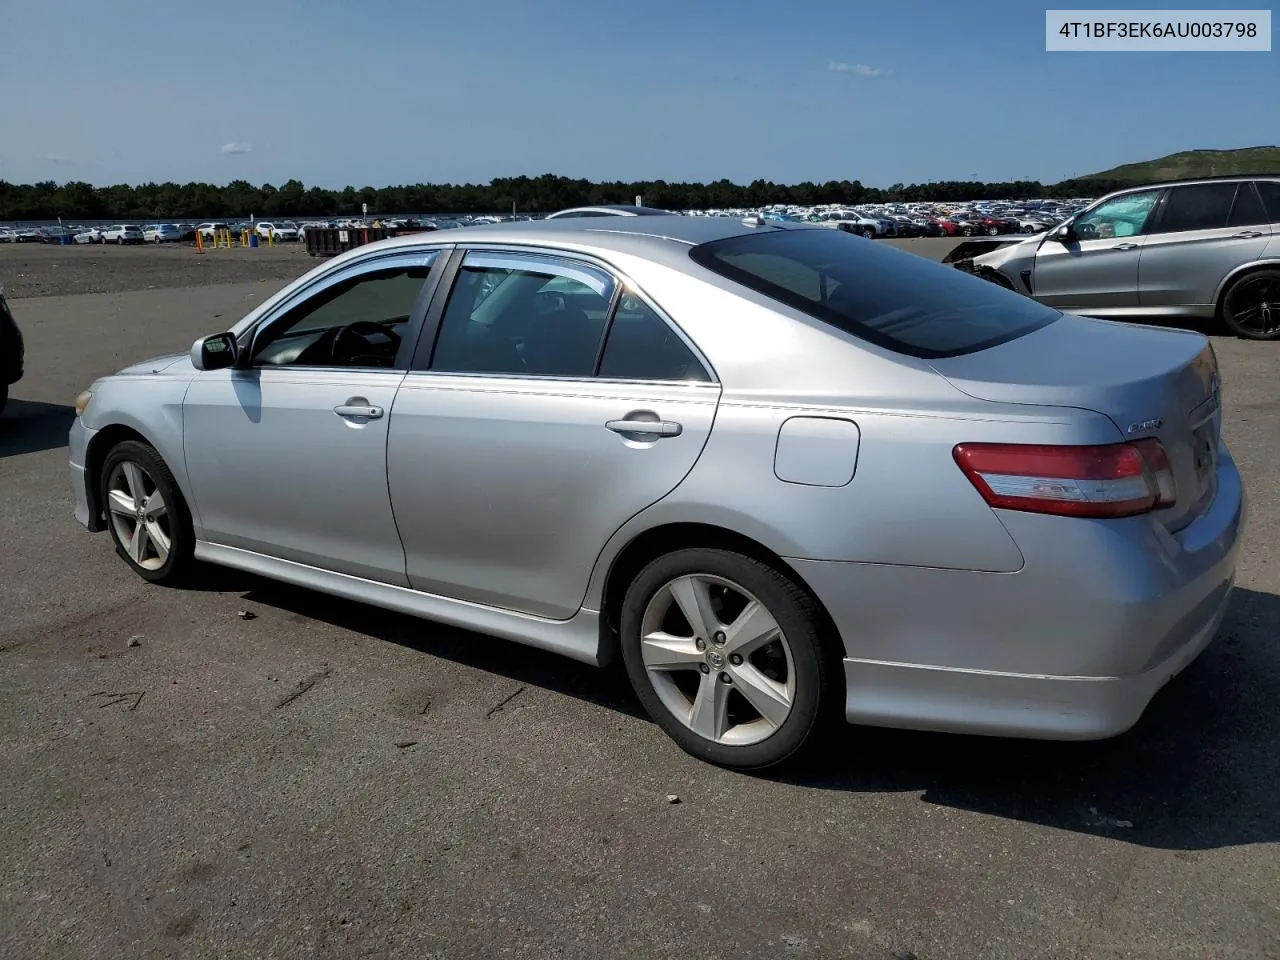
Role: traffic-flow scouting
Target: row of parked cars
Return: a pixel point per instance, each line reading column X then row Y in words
column 132, row 233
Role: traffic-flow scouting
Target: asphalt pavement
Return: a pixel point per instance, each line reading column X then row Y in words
column 324, row 779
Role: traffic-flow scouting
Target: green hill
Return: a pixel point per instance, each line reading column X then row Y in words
column 1196, row 163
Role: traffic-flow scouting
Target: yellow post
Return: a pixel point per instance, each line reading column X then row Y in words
column 199, row 247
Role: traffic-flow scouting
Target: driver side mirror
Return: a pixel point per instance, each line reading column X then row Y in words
column 214, row 352
column 1065, row 234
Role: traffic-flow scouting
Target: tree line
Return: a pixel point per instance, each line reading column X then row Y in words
column 77, row 200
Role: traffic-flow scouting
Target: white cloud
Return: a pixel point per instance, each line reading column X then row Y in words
column 237, row 146
column 55, row 158
column 858, row 69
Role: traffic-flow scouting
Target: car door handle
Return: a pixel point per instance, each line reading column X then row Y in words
column 661, row 428
column 358, row 407
column 1125, row 246
column 1246, row 235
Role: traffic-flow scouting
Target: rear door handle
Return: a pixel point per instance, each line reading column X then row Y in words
column 1125, row 246
column 661, row 428
column 358, row 407
column 1246, row 235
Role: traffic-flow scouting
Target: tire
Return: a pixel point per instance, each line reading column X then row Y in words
column 4, row 396
column 796, row 675
column 149, row 560
column 992, row 231
column 1250, row 307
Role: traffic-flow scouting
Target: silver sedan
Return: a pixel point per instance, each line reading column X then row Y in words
column 786, row 474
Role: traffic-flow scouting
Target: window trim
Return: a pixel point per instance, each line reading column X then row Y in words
column 384, row 260
column 429, row 337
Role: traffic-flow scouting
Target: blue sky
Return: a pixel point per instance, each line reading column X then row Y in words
column 400, row 91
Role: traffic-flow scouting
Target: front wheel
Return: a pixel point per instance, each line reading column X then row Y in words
column 147, row 516
column 1251, row 306
column 729, row 657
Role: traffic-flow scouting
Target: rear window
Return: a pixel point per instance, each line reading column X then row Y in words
column 888, row 297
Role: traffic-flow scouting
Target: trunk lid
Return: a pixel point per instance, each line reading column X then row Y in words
column 1150, row 382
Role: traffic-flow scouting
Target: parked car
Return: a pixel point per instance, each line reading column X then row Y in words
column 6, row 235
column 162, row 233
column 210, row 230
column 736, row 455
column 12, row 349
column 27, row 235
column 122, row 233
column 608, row 210
column 1185, row 250
column 90, row 235
column 276, row 232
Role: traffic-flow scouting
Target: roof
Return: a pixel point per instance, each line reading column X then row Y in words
column 1161, row 184
column 662, row 238
column 614, row 209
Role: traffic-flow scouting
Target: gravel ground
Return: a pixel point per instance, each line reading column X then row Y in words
column 328, row 780
column 37, row 270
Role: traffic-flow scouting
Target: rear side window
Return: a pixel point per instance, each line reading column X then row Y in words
column 642, row 346
column 1200, row 206
column 1247, row 211
column 893, row 299
column 1270, row 190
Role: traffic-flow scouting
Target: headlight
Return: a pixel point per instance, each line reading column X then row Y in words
column 82, row 402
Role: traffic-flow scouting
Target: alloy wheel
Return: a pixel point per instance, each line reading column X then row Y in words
column 717, row 659
column 139, row 515
column 1254, row 305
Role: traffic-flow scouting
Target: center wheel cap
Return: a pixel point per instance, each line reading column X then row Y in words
column 715, row 659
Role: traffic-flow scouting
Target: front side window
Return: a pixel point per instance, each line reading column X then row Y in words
column 1121, row 216
column 523, row 316
column 893, row 299
column 1199, row 206
column 357, row 322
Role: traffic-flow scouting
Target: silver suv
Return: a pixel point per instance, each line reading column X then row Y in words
column 1195, row 249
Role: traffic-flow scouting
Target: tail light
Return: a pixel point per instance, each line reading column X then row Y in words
column 1109, row 480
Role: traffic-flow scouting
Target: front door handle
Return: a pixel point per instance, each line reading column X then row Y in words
column 359, row 408
column 1246, row 235
column 661, row 428
column 1125, row 246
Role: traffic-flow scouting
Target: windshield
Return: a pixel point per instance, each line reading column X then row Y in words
column 888, row 297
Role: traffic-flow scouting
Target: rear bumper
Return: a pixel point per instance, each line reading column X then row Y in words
column 1073, row 646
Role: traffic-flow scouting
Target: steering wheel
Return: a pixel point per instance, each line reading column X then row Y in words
column 361, row 330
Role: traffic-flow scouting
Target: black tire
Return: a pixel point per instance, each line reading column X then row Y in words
column 1256, row 291
column 178, row 526
column 992, row 231
column 4, row 396
column 817, row 701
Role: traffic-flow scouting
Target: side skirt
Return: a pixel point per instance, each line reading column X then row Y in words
column 578, row 637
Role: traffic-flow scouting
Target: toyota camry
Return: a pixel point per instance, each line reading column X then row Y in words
column 787, row 475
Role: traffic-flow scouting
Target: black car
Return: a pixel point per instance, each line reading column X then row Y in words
column 11, row 350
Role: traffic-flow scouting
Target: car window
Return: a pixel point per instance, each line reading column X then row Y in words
column 357, row 322
column 523, row 316
column 643, row 346
column 1270, row 191
column 1247, row 211
column 891, row 298
column 1199, row 206
column 1121, row 216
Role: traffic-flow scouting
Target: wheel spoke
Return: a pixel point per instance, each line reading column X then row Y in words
column 133, row 477
column 753, row 628
column 137, row 545
column 694, row 599
column 158, row 539
column 155, row 505
column 120, row 502
column 765, row 694
column 662, row 651
column 709, row 715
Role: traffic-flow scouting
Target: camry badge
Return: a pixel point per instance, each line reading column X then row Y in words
column 1153, row 424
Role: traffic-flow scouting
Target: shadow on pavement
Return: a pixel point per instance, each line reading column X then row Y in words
column 1201, row 770
column 29, row 426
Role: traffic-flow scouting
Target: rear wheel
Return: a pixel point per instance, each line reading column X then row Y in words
column 146, row 514
column 1251, row 306
column 729, row 657
column 4, row 396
